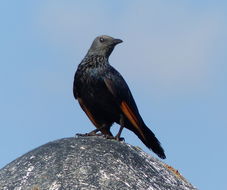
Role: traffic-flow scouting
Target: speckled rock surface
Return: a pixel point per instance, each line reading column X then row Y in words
column 88, row 163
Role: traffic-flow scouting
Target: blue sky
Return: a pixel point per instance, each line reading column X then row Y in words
column 173, row 58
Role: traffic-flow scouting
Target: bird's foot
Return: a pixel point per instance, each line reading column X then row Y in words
column 89, row 134
column 119, row 138
column 109, row 136
column 115, row 138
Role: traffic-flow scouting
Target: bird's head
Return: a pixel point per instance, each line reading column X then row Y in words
column 103, row 45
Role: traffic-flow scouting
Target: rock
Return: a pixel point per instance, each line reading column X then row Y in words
column 89, row 163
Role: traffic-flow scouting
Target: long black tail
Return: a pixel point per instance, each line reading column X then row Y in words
column 148, row 138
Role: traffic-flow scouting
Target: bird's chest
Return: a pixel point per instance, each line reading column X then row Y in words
column 92, row 84
column 91, row 88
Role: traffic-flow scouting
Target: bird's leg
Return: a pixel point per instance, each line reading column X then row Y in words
column 118, row 136
column 93, row 133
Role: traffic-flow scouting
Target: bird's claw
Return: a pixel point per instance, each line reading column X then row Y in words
column 115, row 138
column 119, row 138
column 89, row 134
column 100, row 134
column 108, row 137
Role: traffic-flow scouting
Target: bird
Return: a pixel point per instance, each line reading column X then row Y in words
column 105, row 97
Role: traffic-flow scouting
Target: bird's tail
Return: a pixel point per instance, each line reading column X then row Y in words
column 135, row 123
column 148, row 138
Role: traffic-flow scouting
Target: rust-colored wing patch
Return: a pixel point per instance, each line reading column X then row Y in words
column 87, row 112
column 131, row 117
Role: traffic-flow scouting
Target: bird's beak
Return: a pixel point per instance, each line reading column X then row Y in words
column 117, row 41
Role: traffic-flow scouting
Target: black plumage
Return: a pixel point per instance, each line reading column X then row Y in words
column 105, row 97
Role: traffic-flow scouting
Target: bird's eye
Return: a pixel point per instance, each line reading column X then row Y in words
column 101, row 40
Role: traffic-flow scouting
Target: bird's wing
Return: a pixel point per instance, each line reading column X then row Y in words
column 86, row 110
column 120, row 90
column 117, row 86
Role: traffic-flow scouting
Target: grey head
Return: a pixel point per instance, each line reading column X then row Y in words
column 103, row 45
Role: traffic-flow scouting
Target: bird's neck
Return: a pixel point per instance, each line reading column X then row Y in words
column 100, row 52
column 94, row 60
